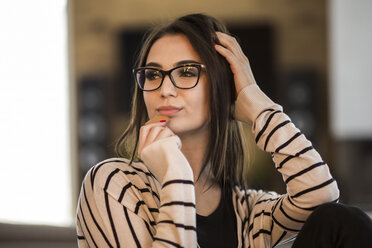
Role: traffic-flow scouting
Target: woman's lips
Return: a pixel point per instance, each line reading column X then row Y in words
column 168, row 110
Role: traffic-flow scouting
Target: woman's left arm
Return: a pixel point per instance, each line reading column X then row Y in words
column 307, row 177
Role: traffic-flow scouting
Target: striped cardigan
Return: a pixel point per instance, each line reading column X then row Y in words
column 152, row 203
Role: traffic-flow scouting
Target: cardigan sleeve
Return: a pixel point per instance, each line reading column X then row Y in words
column 124, row 205
column 309, row 183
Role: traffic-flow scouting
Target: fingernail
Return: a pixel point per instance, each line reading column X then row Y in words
column 163, row 121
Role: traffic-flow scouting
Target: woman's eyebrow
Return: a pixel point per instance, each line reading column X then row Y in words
column 153, row 64
column 182, row 62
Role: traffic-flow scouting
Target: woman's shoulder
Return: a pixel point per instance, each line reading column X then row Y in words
column 128, row 184
column 119, row 173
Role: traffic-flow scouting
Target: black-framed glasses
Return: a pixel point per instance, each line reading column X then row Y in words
column 182, row 77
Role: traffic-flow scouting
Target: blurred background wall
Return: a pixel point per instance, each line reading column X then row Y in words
column 289, row 41
column 290, row 44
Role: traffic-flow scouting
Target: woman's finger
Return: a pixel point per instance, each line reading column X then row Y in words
column 142, row 137
column 153, row 134
column 144, row 133
column 229, row 56
column 165, row 133
column 240, row 67
column 231, row 44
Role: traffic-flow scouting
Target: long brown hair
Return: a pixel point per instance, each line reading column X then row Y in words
column 226, row 147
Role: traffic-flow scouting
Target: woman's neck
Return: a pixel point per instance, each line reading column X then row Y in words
column 194, row 148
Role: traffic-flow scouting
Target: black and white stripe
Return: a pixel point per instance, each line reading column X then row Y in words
column 123, row 204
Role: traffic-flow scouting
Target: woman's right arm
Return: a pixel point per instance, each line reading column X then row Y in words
column 117, row 205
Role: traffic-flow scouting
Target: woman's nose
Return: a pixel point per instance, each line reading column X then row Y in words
column 168, row 89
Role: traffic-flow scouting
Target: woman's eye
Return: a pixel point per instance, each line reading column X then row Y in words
column 153, row 75
column 189, row 71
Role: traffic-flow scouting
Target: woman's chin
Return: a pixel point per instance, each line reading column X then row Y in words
column 173, row 127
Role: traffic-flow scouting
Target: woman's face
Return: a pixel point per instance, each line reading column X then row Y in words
column 188, row 109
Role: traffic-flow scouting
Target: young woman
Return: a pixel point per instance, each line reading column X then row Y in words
column 184, row 183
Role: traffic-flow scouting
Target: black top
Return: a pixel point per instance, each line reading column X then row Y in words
column 219, row 228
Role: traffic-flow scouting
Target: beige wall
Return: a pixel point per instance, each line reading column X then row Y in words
column 301, row 40
column 300, row 29
column 300, row 26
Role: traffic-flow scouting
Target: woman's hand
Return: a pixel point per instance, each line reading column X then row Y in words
column 239, row 63
column 151, row 133
column 164, row 159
